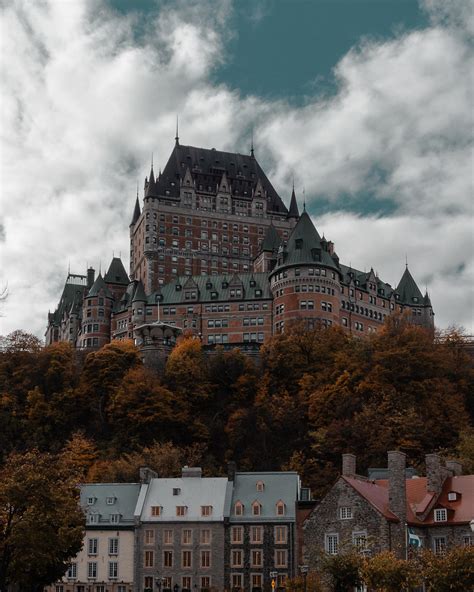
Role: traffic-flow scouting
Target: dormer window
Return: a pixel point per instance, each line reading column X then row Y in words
column 176, row 490
column 280, row 508
column 239, row 509
column 91, row 501
column 260, row 485
column 206, row 510
column 114, row 518
column 299, row 243
column 440, row 515
column 156, row 510
column 258, row 292
column 208, row 285
column 256, row 509
column 453, row 496
column 415, row 299
column 252, row 283
column 178, row 287
column 111, row 501
column 225, row 285
column 93, row 518
column 181, row 510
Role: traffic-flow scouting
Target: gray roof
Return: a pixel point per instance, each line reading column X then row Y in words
column 220, row 285
column 293, row 211
column 278, row 486
column 116, row 273
column 272, row 240
column 408, row 290
column 194, row 492
column 136, row 213
column 362, row 277
column 304, row 247
column 207, row 168
column 124, row 496
column 139, row 295
column 71, row 298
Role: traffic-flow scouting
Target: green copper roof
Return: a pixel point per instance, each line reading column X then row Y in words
column 272, row 239
column 408, row 290
column 116, row 273
column 97, row 286
column 304, row 247
column 139, row 295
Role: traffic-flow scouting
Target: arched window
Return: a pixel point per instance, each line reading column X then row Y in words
column 260, row 485
column 280, row 508
column 256, row 508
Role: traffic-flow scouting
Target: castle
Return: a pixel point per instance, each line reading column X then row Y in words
column 215, row 252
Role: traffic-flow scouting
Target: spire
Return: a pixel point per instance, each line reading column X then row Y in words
column 408, row 290
column 152, row 174
column 304, row 199
column 176, row 139
column 293, row 211
column 251, row 145
column 136, row 211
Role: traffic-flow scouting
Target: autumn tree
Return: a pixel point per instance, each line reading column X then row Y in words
column 78, row 455
column 41, row 523
column 451, row 572
column 386, row 573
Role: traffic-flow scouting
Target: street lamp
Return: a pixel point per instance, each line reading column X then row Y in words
column 304, row 570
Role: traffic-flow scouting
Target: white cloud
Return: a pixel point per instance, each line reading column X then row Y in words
column 84, row 104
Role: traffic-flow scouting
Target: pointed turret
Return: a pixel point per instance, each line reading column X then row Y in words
column 136, row 212
column 116, row 273
column 272, row 240
column 426, row 299
column 97, row 286
column 293, row 211
column 408, row 290
column 139, row 295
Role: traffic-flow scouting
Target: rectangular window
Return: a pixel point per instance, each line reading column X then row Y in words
column 205, row 582
column 167, row 537
column 237, row 580
column 256, row 558
column 113, row 570
column 113, row 546
column 439, row 545
column 187, row 537
column 206, row 510
column 205, row 559
column 167, row 558
column 92, row 569
column 281, row 535
column 205, row 536
column 186, row 558
column 281, row 558
column 236, row 559
column 237, row 535
column 156, row 510
column 149, row 559
column 345, row 513
column 71, row 573
column 181, row 510
column 440, row 515
column 256, row 581
column 359, row 539
column 92, row 546
column 149, row 537
column 331, row 543
column 256, row 535
column 148, row 583
column 186, row 583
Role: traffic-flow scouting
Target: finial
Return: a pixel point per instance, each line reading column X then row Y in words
column 69, row 267
column 406, row 261
column 137, row 188
column 177, row 131
column 251, row 143
column 304, row 199
column 293, row 181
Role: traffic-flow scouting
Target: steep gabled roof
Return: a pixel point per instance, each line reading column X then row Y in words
column 207, row 168
column 139, row 295
column 293, row 211
column 375, row 494
column 408, row 290
column 73, row 292
column 116, row 273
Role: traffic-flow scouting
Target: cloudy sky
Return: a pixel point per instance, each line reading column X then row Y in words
column 368, row 103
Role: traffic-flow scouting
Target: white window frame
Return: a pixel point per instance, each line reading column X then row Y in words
column 439, row 545
column 440, row 515
column 345, row 513
column 331, row 543
column 92, row 570
column 113, row 546
column 92, row 546
column 113, row 570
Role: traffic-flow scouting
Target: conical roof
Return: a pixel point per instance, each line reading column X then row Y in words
column 293, row 212
column 136, row 213
column 426, row 299
column 151, row 189
column 304, row 246
column 408, row 290
column 272, row 240
column 139, row 293
column 116, row 273
column 97, row 286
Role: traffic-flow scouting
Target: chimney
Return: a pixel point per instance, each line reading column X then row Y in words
column 348, row 465
column 231, row 470
column 455, row 467
column 187, row 472
column 434, row 474
column 90, row 277
column 146, row 475
column 397, row 494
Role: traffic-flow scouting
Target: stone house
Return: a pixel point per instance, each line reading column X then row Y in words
column 106, row 561
column 395, row 513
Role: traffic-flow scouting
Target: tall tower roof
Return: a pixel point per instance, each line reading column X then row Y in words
column 116, row 273
column 272, row 240
column 97, row 286
column 136, row 212
column 293, row 212
column 408, row 290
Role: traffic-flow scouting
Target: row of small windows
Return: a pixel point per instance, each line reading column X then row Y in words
column 186, row 559
column 256, row 508
column 218, row 338
column 256, row 558
column 95, row 518
column 113, row 573
column 310, row 288
column 256, row 533
column 253, row 337
column 112, row 546
column 205, row 536
column 186, row 583
column 181, row 510
column 373, row 314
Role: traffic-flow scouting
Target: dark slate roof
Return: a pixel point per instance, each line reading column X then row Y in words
column 139, row 295
column 408, row 290
column 207, row 167
column 71, row 298
column 126, row 298
column 304, row 246
column 116, row 273
column 272, row 239
column 293, row 212
column 218, row 284
column 426, row 300
column 136, row 213
column 97, row 286
column 361, row 277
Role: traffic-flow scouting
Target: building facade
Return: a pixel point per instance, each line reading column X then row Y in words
column 215, row 252
column 393, row 514
column 106, row 562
